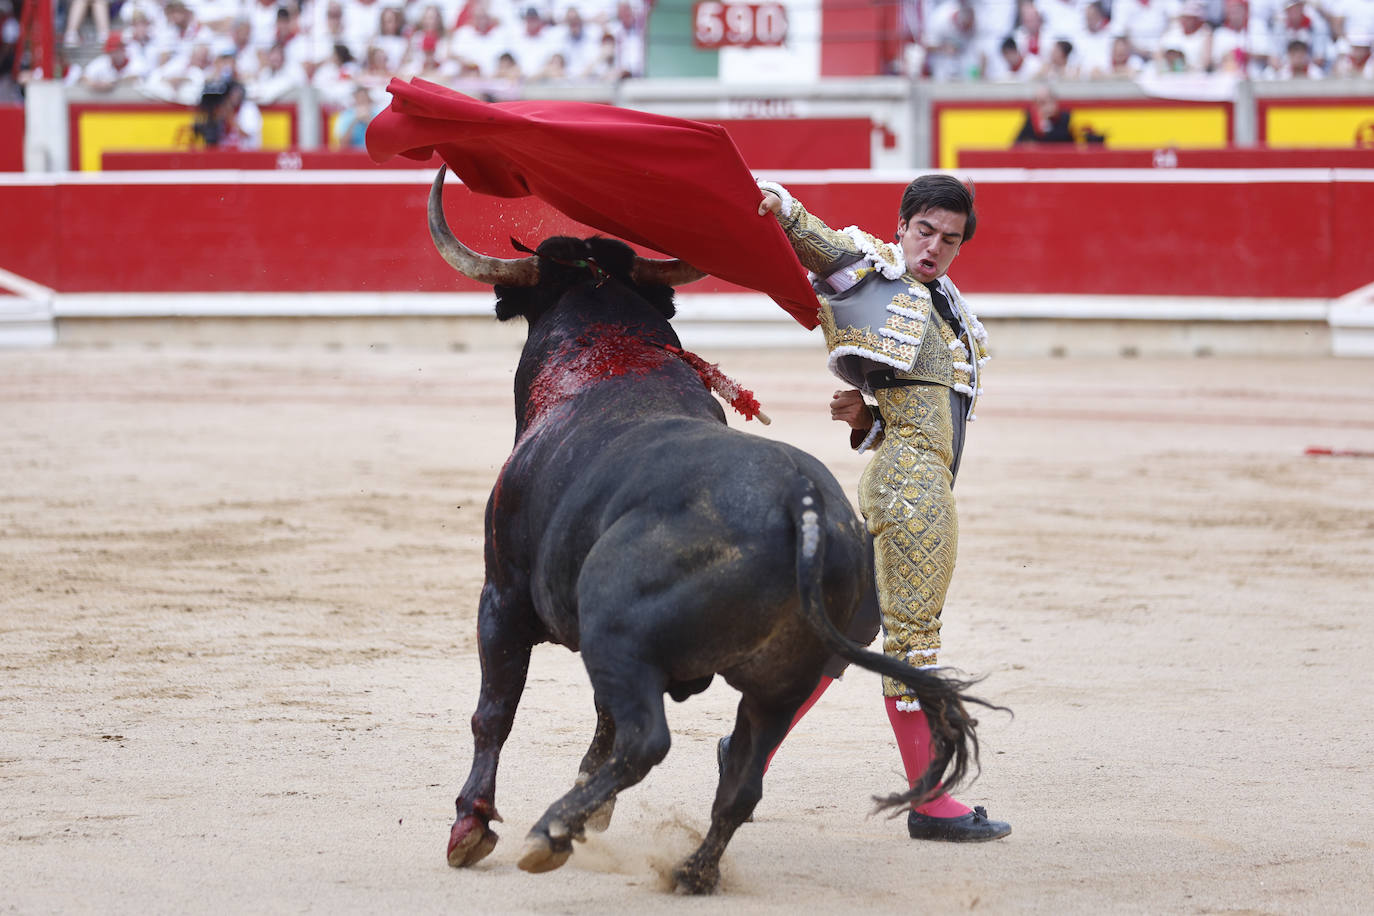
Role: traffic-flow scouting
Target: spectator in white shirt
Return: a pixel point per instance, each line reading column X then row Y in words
column 429, row 35
column 1302, row 22
column 1298, row 63
column 577, row 43
column 1011, row 64
column 628, row 28
column 276, row 77
column 112, row 69
column 1353, row 59
column 1241, row 44
column 1144, row 22
column 1123, row 62
column 1030, row 34
column 478, row 43
column 1186, row 47
column 951, row 53
column 182, row 78
column 534, row 43
column 1092, row 44
column 262, row 19
column 362, row 20
column 180, row 30
column 1063, row 18
column 391, row 37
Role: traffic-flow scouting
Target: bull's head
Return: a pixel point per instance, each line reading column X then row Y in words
column 599, row 256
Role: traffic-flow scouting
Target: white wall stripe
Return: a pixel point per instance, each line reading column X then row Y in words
column 424, row 176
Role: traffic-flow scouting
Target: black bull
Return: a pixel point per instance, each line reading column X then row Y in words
column 630, row 523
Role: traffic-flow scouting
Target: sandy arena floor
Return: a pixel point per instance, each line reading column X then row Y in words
column 237, row 592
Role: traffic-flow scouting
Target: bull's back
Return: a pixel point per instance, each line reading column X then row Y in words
column 693, row 516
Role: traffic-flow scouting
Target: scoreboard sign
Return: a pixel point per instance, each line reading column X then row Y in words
column 738, row 25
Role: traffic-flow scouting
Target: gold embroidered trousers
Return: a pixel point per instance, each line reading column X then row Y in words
column 906, row 498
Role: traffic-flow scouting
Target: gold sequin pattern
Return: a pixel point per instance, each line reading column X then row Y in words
column 906, row 499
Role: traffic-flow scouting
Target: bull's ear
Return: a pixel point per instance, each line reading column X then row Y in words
column 661, row 298
column 513, row 302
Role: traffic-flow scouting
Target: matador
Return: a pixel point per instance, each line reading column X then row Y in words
column 901, row 335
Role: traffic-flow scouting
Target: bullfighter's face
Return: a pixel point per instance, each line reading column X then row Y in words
column 930, row 240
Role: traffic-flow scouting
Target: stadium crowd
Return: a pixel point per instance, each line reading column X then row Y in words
column 176, row 50
column 1127, row 39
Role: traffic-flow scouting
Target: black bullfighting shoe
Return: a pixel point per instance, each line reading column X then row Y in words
column 974, row 827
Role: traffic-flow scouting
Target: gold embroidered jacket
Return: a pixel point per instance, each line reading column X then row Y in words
column 876, row 315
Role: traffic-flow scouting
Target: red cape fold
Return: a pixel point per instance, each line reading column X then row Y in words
column 672, row 185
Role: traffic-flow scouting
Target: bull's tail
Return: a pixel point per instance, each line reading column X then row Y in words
column 941, row 695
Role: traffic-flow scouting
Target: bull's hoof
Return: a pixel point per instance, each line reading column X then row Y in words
column 540, row 854
column 601, row 817
column 470, row 841
column 690, row 878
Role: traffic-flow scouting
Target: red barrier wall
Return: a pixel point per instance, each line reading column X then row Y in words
column 11, row 138
column 1265, row 236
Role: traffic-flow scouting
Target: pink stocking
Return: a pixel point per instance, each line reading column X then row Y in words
column 913, row 741
column 810, row 701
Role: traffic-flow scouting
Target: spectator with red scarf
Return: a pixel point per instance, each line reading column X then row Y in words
column 1045, row 121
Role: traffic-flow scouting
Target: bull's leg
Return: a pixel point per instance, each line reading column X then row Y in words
column 632, row 693
column 596, row 755
column 758, row 729
column 504, row 648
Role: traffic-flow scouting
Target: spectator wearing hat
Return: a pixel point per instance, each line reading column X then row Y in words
column 1241, row 44
column 1186, row 46
column 113, row 68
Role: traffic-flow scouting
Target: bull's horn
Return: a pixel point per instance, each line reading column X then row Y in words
column 480, row 267
column 672, row 272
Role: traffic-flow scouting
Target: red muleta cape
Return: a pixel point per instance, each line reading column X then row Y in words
column 675, row 186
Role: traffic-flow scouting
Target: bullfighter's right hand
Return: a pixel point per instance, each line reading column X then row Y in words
column 849, row 407
column 771, row 203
